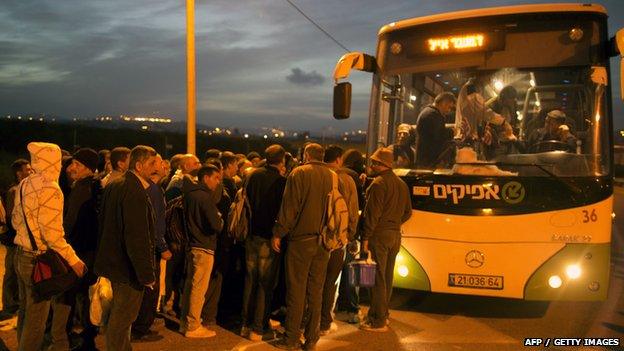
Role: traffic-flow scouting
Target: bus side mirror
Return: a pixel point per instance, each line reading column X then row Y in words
column 342, row 100
column 619, row 41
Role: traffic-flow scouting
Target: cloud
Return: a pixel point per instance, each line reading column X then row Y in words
column 299, row 77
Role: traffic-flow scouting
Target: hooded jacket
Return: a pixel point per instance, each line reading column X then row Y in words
column 203, row 220
column 42, row 203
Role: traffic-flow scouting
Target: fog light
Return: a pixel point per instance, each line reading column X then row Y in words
column 554, row 282
column 573, row 271
column 403, row 271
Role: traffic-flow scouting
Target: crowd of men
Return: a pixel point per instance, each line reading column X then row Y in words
column 110, row 215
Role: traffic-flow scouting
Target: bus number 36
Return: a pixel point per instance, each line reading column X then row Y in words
column 589, row 216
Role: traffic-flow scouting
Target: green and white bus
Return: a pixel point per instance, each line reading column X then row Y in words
column 531, row 222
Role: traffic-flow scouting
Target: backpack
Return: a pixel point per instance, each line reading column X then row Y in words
column 175, row 235
column 334, row 232
column 239, row 216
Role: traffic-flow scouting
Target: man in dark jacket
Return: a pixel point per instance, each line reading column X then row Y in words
column 203, row 223
column 126, row 245
column 264, row 189
column 388, row 205
column 81, row 229
column 433, row 138
column 300, row 219
column 147, row 313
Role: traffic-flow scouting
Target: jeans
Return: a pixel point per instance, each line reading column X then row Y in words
column 306, row 266
column 147, row 311
column 260, row 281
column 32, row 316
column 174, row 280
column 198, row 265
column 384, row 246
column 334, row 266
column 349, row 297
column 215, row 286
column 124, row 310
column 64, row 307
column 10, row 289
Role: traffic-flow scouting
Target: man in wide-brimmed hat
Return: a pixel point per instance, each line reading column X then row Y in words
column 388, row 205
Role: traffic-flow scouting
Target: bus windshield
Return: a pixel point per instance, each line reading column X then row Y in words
column 540, row 121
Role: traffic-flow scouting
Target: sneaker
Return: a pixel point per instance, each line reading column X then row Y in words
column 151, row 336
column 9, row 324
column 200, row 332
column 332, row 328
column 369, row 327
column 273, row 324
column 253, row 336
column 285, row 345
column 354, row 318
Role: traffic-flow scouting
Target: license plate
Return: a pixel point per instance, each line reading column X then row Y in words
column 475, row 281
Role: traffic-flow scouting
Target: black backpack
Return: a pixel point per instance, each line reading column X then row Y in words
column 176, row 235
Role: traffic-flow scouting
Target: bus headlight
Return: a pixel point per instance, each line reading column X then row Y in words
column 573, row 271
column 554, row 282
column 403, row 271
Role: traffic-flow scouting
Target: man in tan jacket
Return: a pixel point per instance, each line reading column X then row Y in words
column 300, row 220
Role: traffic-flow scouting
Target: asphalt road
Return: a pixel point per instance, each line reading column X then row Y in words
column 439, row 322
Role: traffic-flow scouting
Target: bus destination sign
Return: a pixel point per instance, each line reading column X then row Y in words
column 456, row 43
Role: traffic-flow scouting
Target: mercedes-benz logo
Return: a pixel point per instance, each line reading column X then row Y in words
column 474, row 259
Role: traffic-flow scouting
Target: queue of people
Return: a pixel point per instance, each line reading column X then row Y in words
column 111, row 215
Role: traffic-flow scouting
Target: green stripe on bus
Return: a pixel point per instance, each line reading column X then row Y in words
column 409, row 274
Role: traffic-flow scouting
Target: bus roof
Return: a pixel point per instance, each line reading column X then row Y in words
column 492, row 11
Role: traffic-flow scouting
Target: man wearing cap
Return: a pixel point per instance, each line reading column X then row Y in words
column 403, row 150
column 81, row 228
column 554, row 129
column 388, row 205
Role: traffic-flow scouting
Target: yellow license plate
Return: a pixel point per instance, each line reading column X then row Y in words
column 475, row 281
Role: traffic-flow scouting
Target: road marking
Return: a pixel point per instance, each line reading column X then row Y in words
column 454, row 330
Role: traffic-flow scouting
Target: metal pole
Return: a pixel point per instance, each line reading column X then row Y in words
column 190, row 76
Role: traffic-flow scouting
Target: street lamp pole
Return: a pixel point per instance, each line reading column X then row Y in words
column 190, row 76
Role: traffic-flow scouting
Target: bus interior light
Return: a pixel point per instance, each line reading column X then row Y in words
column 576, row 34
column 573, row 271
column 555, row 282
column 498, row 85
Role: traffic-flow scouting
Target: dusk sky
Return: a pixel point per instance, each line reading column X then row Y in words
column 259, row 62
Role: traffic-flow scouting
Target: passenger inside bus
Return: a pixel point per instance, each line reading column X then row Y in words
column 555, row 135
column 434, row 140
column 501, row 139
column 403, row 150
column 471, row 113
